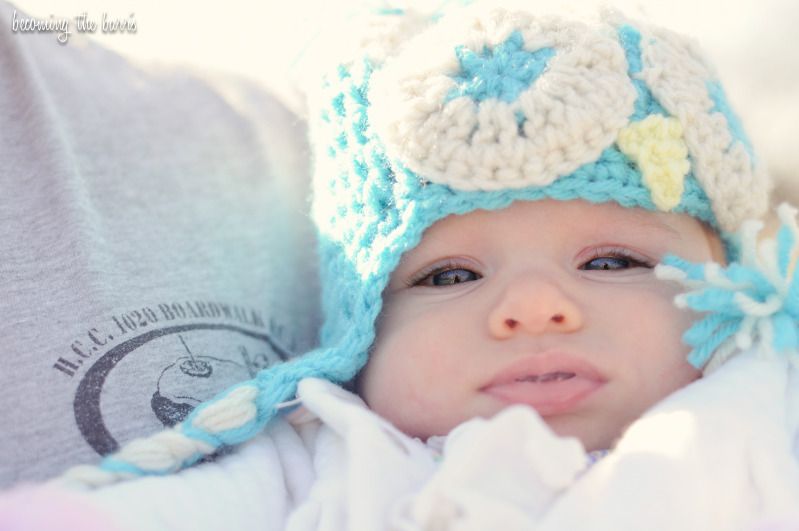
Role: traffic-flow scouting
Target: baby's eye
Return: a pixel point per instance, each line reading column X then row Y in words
column 447, row 277
column 614, row 262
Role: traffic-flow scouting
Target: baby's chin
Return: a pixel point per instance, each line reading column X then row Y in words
column 592, row 433
column 595, row 432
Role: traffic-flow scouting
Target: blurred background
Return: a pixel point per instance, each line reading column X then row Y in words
column 753, row 43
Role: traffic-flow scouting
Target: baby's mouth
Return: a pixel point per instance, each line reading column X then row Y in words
column 557, row 376
column 553, row 383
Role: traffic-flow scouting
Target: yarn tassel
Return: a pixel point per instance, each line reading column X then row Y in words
column 753, row 301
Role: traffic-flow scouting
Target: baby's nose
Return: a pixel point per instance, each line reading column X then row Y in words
column 534, row 306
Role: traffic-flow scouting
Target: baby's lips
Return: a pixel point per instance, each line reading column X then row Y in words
column 546, row 363
column 548, row 398
column 551, row 383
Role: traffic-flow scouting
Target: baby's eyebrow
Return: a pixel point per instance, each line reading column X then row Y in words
column 646, row 219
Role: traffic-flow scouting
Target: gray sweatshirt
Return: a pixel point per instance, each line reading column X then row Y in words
column 154, row 246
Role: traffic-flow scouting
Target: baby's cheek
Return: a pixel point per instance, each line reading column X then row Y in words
column 670, row 368
column 673, row 320
column 395, row 369
column 658, row 331
column 375, row 384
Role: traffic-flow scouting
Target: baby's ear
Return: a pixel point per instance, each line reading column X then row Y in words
column 717, row 250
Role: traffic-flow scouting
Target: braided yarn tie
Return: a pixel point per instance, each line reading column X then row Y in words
column 752, row 301
column 234, row 416
column 169, row 450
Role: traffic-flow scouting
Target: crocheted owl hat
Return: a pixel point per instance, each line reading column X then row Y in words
column 433, row 116
column 492, row 105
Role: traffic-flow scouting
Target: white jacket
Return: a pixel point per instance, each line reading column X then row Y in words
column 718, row 454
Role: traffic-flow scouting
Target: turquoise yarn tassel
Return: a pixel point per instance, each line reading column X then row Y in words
column 755, row 300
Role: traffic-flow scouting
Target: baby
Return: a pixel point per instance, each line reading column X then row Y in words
column 493, row 190
column 550, row 304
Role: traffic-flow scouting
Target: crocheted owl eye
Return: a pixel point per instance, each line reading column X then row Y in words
column 517, row 101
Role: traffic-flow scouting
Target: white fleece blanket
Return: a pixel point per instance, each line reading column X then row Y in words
column 722, row 453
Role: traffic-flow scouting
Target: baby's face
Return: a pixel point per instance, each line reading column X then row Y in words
column 550, row 304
